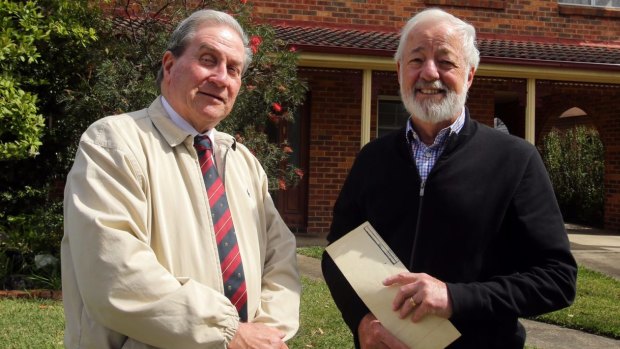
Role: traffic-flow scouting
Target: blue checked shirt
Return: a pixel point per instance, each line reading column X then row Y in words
column 425, row 156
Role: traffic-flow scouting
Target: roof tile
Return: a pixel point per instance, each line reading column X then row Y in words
column 385, row 43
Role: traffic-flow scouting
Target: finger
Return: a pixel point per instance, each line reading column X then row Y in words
column 391, row 342
column 275, row 343
column 419, row 312
column 400, row 278
column 382, row 337
column 370, row 333
column 403, row 294
column 408, row 307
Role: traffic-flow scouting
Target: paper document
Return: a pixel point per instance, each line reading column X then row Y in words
column 366, row 260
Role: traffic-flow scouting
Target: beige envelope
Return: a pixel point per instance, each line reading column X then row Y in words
column 366, row 260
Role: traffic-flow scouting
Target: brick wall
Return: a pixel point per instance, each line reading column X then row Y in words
column 334, row 139
column 537, row 20
column 480, row 101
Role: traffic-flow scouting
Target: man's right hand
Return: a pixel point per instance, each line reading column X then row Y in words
column 257, row 336
column 372, row 335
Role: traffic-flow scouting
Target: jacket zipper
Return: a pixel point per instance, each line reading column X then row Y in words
column 417, row 225
column 224, row 165
column 233, row 147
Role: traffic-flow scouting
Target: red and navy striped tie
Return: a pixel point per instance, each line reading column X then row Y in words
column 228, row 249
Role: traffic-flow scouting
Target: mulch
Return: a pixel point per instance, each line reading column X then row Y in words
column 32, row 294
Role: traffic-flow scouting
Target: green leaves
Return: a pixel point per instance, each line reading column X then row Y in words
column 575, row 161
column 26, row 27
column 20, row 124
column 20, row 28
column 42, row 55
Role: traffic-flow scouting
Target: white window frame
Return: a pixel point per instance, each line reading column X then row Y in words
column 592, row 3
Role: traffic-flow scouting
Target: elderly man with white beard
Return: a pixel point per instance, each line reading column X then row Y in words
column 468, row 209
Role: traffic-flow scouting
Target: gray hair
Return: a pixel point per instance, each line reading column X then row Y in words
column 186, row 30
column 467, row 31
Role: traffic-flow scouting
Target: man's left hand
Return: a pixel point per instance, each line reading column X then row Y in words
column 420, row 294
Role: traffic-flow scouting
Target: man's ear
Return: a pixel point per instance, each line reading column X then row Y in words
column 470, row 76
column 398, row 70
column 167, row 62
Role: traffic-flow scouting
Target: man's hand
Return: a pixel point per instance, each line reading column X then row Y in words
column 257, row 336
column 372, row 335
column 420, row 294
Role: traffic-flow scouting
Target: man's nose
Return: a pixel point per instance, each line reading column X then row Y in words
column 218, row 75
column 429, row 71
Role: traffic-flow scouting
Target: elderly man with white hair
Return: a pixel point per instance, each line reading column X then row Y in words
column 468, row 209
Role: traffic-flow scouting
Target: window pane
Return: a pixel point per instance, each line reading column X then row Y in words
column 608, row 3
column 596, row 3
column 392, row 115
column 575, row 2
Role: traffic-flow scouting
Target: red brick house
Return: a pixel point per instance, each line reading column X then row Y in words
column 539, row 59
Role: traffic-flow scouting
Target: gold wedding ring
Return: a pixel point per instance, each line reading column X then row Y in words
column 413, row 303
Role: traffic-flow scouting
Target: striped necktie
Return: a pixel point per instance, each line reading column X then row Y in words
column 228, row 249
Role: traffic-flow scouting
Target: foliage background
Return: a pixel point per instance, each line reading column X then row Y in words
column 575, row 161
column 86, row 60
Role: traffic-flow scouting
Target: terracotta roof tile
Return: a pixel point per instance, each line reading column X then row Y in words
column 385, row 43
column 344, row 38
column 549, row 51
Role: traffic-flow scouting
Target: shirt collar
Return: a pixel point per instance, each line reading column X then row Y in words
column 183, row 124
column 455, row 127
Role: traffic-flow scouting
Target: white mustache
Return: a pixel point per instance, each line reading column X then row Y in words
column 437, row 85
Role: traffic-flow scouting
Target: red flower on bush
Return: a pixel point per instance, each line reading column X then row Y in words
column 255, row 41
column 276, row 107
column 282, row 184
column 287, row 149
column 299, row 172
column 244, row 1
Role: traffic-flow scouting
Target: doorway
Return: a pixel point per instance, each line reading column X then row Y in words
column 292, row 203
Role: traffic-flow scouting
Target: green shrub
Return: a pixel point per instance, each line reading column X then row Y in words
column 44, row 50
column 26, row 28
column 30, row 232
column 85, row 66
column 575, row 161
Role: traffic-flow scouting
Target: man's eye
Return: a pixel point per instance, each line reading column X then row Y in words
column 234, row 71
column 208, row 59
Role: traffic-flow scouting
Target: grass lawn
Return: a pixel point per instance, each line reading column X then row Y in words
column 596, row 308
column 30, row 324
column 321, row 324
column 40, row 323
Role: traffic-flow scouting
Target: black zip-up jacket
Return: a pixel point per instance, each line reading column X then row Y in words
column 486, row 222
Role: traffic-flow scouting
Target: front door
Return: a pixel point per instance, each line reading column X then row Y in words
column 292, row 203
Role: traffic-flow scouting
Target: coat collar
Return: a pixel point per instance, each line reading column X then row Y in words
column 175, row 135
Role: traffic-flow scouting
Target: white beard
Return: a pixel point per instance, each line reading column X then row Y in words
column 434, row 112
